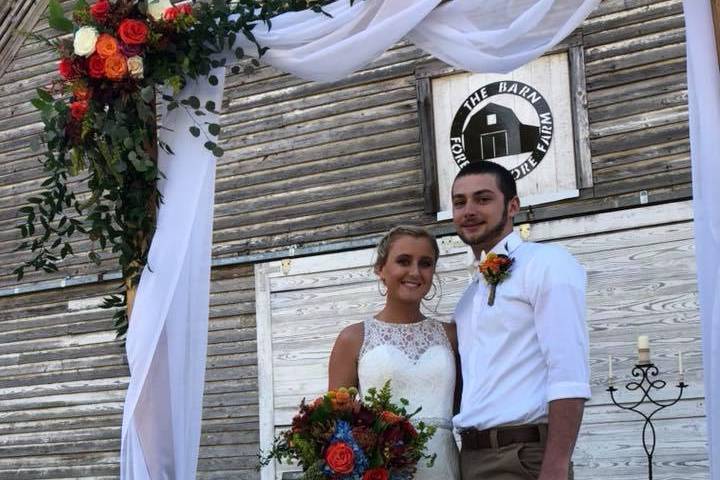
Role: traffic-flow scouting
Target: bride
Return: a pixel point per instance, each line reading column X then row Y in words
column 418, row 354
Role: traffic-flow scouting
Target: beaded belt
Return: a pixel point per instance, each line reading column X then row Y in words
column 437, row 422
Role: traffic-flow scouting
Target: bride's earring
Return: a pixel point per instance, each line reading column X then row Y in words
column 379, row 287
column 434, row 293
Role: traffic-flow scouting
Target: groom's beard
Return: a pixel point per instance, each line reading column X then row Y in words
column 492, row 234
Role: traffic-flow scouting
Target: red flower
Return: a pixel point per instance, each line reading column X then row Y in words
column 96, row 66
column 186, row 9
column 171, row 13
column 78, row 109
column 376, row 474
column 133, row 32
column 409, row 429
column 100, row 10
column 81, row 92
column 66, row 69
column 340, row 458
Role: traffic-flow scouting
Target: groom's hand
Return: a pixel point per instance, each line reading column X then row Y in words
column 564, row 419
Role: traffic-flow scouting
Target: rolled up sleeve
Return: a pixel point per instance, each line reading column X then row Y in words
column 559, row 309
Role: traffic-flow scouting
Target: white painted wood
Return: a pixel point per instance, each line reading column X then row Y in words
column 265, row 365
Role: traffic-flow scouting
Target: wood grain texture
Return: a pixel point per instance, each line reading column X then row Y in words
column 317, row 164
column 63, row 379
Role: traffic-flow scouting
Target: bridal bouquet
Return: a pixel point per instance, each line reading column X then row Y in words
column 338, row 436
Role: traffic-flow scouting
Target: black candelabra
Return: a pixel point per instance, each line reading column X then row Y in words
column 646, row 381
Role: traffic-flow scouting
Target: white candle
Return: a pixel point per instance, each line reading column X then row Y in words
column 643, row 349
column 680, row 365
column 610, row 372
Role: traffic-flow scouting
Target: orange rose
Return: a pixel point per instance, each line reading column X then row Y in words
column 390, row 418
column 133, row 32
column 376, row 474
column 106, row 45
column 116, row 67
column 340, row 458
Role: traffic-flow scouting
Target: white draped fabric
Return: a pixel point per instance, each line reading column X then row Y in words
column 479, row 36
column 167, row 339
column 704, row 106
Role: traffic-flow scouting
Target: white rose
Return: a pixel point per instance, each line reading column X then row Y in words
column 156, row 8
column 85, row 39
column 135, row 66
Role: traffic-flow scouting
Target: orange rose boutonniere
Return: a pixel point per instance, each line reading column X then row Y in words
column 495, row 268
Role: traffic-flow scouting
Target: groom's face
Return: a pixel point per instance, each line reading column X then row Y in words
column 481, row 215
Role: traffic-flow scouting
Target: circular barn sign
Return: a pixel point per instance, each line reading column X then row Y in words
column 485, row 128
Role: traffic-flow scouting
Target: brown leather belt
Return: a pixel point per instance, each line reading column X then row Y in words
column 474, row 439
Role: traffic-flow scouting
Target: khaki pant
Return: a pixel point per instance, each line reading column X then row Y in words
column 517, row 461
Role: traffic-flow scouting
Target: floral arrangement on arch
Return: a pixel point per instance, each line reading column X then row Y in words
column 340, row 437
column 100, row 121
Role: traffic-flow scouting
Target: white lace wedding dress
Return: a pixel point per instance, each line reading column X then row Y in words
column 420, row 363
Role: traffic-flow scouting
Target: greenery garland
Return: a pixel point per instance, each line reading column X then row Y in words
column 100, row 121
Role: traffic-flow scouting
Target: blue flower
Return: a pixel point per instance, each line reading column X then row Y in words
column 343, row 433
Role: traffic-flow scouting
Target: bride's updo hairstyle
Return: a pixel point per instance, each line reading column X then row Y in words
column 383, row 248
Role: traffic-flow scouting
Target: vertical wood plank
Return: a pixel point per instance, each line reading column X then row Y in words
column 427, row 144
column 581, row 123
column 265, row 368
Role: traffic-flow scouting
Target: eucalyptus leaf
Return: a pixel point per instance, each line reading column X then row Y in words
column 194, row 102
column 148, row 93
column 56, row 17
column 44, row 95
column 214, row 129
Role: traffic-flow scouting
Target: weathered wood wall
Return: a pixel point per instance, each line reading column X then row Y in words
column 315, row 166
column 63, row 378
column 628, row 258
column 309, row 164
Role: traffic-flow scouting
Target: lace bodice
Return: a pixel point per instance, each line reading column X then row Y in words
column 413, row 339
column 418, row 360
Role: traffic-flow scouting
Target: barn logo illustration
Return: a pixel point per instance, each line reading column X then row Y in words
column 492, row 124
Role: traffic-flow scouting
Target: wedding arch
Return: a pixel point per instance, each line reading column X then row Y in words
column 165, row 251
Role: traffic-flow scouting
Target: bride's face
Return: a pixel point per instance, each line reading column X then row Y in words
column 409, row 268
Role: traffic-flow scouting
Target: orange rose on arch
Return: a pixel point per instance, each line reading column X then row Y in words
column 133, row 32
column 116, row 67
column 106, row 45
column 340, row 458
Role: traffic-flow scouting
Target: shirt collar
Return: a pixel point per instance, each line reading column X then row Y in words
column 508, row 245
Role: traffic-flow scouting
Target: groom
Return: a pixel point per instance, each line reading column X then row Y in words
column 524, row 354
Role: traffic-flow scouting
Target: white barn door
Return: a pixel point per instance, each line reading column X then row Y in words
column 641, row 277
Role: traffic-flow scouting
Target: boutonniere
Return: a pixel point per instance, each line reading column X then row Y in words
column 495, row 268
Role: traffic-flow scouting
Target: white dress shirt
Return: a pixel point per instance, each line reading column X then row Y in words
column 530, row 346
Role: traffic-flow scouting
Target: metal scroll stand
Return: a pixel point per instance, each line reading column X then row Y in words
column 646, row 373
